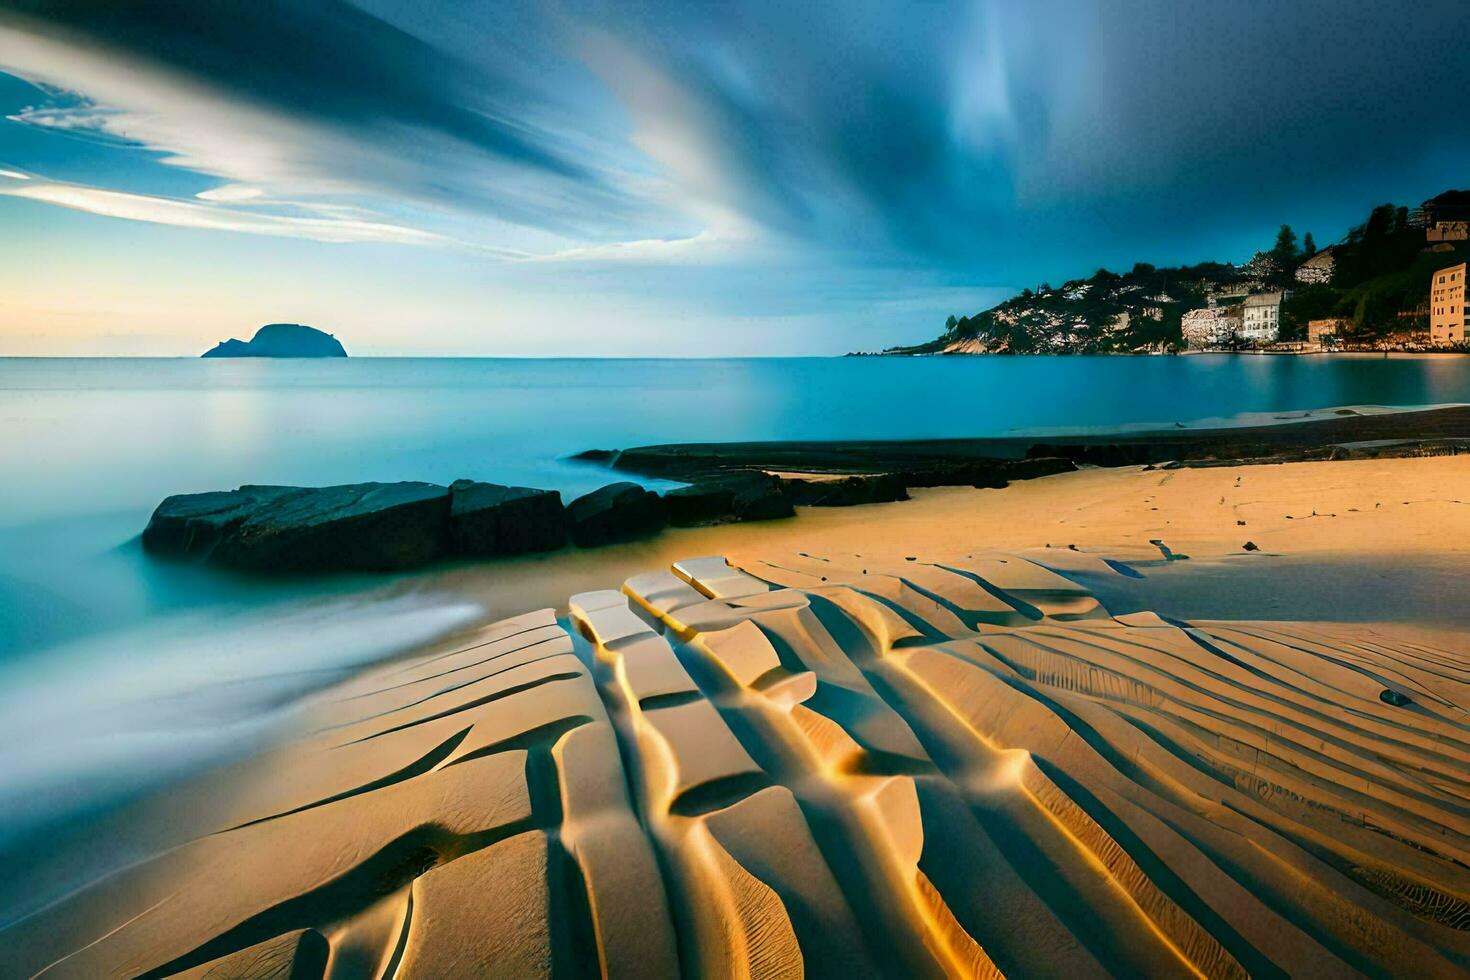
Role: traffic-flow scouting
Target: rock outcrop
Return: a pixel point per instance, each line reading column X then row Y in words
column 736, row 496
column 356, row 527
column 369, row 527
column 384, row 527
column 281, row 340
column 700, row 503
column 487, row 519
column 847, row 491
column 762, row 501
column 616, row 512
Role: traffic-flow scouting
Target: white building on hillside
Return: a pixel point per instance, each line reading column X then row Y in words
column 1260, row 318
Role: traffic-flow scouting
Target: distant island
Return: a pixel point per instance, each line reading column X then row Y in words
column 281, row 340
column 1370, row 291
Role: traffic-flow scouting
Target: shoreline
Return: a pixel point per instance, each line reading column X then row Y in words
column 1321, row 433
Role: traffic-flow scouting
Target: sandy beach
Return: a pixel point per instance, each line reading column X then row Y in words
column 1128, row 722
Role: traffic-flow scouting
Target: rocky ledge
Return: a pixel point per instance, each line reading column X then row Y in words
column 380, row 527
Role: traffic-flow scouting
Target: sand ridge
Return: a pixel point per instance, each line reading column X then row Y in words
column 956, row 765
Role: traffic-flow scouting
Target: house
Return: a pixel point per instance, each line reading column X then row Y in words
column 1260, row 318
column 1327, row 329
column 1318, row 269
column 1447, row 316
column 1210, row 327
column 1447, row 208
column 1447, row 231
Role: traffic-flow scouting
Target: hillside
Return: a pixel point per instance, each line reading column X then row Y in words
column 1379, row 283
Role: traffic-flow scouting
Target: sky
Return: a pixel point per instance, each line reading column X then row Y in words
column 583, row 178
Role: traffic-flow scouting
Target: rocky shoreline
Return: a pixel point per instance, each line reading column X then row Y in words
column 382, row 527
column 1348, row 433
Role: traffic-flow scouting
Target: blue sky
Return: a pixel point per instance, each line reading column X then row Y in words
column 568, row 177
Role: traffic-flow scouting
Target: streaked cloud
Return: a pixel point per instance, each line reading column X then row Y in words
column 185, row 214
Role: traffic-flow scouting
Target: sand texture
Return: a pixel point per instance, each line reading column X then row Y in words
column 958, row 765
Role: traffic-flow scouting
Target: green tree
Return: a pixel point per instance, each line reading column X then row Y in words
column 951, row 324
column 1284, row 251
column 1309, row 247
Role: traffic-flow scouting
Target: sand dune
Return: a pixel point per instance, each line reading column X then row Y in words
column 955, row 765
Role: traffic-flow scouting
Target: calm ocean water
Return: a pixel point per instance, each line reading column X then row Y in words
column 116, row 671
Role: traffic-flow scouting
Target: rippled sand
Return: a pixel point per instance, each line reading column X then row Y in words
column 916, row 754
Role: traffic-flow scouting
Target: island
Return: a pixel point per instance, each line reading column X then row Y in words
column 281, row 340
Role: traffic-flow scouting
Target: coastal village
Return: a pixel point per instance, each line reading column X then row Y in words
column 1394, row 283
column 1249, row 315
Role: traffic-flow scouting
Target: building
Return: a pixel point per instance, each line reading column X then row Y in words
column 1260, row 319
column 1447, row 231
column 1449, row 207
column 1318, row 269
column 1447, row 317
column 1325, row 330
column 1209, row 328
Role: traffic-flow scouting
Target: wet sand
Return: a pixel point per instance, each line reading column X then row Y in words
column 978, row 733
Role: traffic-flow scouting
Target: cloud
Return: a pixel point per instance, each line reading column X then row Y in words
column 972, row 137
column 243, row 93
column 185, row 214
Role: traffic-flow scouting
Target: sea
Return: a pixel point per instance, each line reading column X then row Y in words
column 120, row 673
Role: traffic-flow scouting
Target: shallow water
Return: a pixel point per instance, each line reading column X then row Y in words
column 99, row 643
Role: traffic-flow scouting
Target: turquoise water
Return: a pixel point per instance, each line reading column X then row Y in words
column 117, row 672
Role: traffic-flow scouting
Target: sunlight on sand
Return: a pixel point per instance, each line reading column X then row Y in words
column 884, row 753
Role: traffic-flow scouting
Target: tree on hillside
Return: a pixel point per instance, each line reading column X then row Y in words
column 951, row 324
column 1284, row 251
column 1309, row 247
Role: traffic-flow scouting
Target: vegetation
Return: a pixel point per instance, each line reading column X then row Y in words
column 1380, row 284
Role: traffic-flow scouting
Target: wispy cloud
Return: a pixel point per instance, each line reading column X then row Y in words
column 186, row 214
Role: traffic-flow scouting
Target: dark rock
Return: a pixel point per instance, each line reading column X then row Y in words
column 762, row 501
column 993, row 474
column 1101, row 454
column 1250, row 546
column 281, row 340
column 487, row 519
column 1037, row 466
column 357, row 527
column 605, row 456
column 616, row 512
column 702, row 503
column 1399, row 700
column 877, row 488
column 191, row 525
